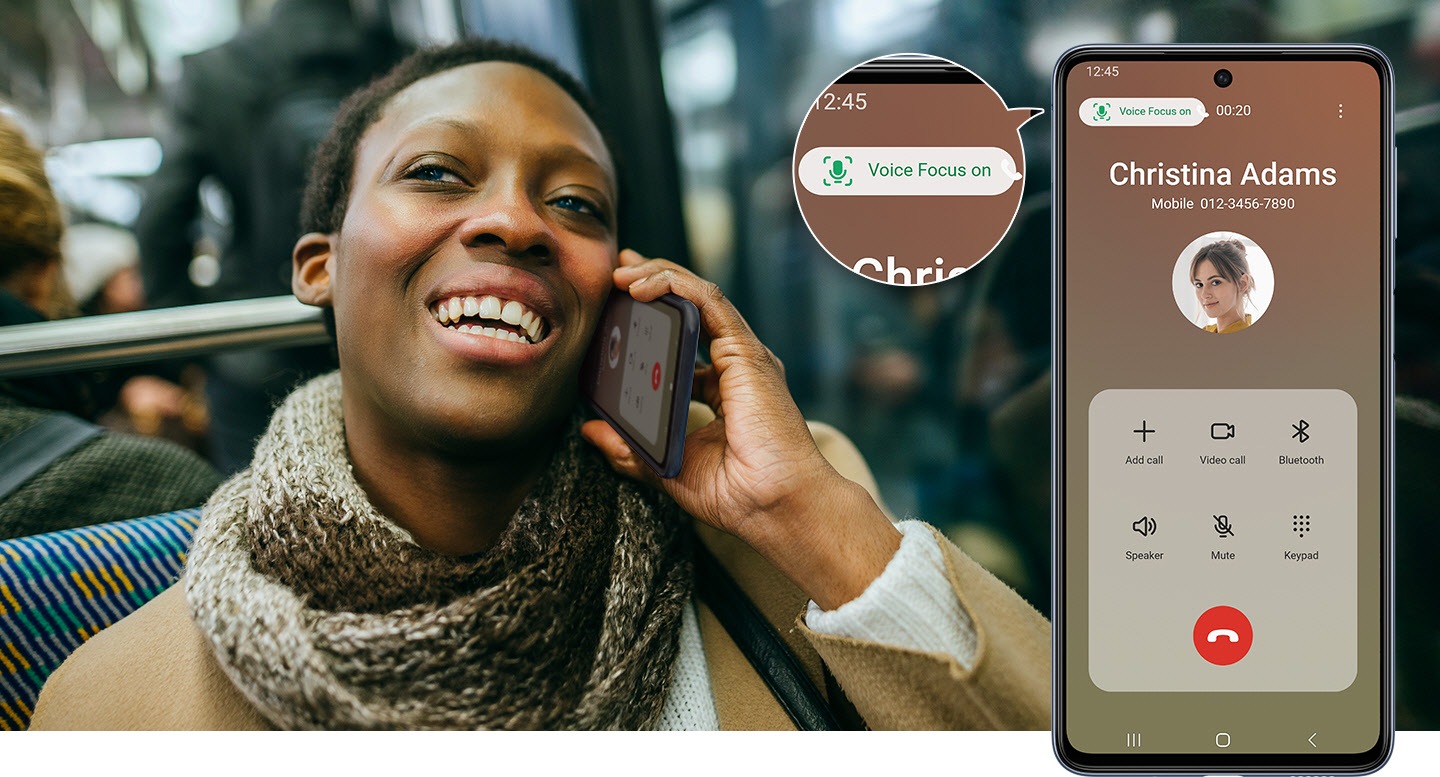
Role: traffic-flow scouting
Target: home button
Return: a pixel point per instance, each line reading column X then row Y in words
column 1222, row 739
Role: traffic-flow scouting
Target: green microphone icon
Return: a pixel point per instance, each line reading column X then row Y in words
column 837, row 171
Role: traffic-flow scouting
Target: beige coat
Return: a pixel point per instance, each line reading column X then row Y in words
column 155, row 670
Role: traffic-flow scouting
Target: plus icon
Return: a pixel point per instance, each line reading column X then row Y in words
column 1144, row 431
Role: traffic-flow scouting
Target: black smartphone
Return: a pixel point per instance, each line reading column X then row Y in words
column 638, row 373
column 1223, row 409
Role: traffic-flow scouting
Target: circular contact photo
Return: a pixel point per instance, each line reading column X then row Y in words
column 614, row 347
column 1223, row 282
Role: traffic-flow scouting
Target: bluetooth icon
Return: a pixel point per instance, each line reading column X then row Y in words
column 1300, row 431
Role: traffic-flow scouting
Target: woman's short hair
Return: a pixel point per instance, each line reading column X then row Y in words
column 31, row 222
column 327, row 190
column 1228, row 258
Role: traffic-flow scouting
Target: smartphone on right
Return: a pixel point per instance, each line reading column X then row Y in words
column 1223, row 409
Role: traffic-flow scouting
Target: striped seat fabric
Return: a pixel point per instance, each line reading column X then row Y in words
column 58, row 589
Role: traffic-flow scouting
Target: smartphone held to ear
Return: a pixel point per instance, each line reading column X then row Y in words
column 638, row 374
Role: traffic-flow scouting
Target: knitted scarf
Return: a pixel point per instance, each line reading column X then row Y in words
column 327, row 615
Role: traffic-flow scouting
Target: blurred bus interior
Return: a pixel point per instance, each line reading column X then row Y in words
column 945, row 389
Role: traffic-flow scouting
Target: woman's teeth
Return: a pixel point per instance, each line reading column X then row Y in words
column 450, row 311
column 490, row 331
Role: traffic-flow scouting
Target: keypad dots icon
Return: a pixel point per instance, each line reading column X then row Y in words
column 1300, row 524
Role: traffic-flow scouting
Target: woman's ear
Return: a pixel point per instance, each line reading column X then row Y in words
column 310, row 278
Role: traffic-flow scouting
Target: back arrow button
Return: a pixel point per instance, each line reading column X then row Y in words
column 1311, row 740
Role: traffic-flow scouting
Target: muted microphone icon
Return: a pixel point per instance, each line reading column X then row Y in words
column 1222, row 525
column 1145, row 526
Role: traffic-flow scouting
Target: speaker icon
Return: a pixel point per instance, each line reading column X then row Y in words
column 1145, row 526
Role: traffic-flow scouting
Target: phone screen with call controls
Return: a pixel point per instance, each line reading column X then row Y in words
column 638, row 373
column 1223, row 405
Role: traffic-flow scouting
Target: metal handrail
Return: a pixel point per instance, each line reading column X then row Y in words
column 1417, row 118
column 151, row 335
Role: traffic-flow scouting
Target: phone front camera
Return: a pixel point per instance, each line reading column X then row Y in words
column 1223, row 78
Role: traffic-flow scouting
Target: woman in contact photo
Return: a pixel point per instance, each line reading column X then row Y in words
column 1223, row 285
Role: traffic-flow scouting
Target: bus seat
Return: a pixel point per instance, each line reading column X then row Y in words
column 58, row 589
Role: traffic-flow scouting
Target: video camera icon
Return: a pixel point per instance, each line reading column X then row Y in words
column 1145, row 526
column 1222, row 431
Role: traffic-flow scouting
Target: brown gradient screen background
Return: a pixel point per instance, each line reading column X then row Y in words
column 1323, row 329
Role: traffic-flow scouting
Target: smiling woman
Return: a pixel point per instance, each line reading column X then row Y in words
column 434, row 537
column 1223, row 282
column 487, row 160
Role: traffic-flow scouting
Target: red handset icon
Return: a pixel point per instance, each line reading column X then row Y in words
column 1223, row 635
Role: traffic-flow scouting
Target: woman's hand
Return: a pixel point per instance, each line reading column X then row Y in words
column 755, row 471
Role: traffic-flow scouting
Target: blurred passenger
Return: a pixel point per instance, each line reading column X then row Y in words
column 1016, row 402
column 56, row 470
column 1417, row 609
column 102, row 269
column 1417, row 443
column 248, row 114
column 432, row 538
column 887, row 406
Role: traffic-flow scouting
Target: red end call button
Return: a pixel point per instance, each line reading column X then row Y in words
column 1223, row 635
column 655, row 377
